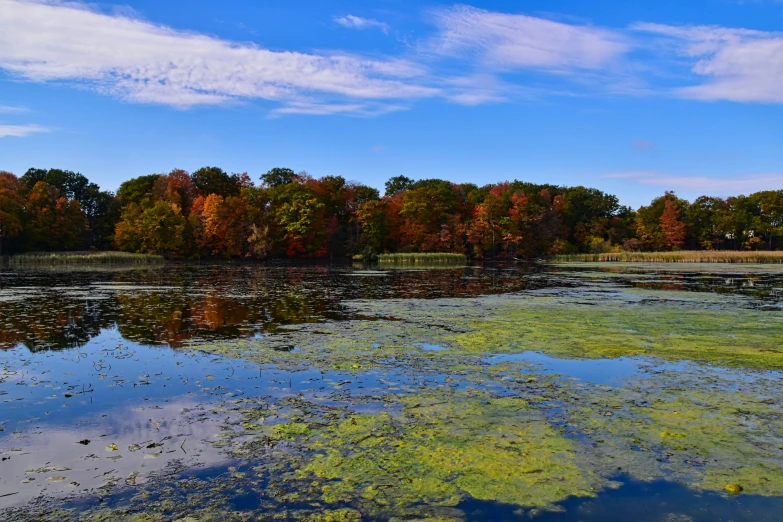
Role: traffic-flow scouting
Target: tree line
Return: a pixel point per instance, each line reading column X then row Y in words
column 213, row 214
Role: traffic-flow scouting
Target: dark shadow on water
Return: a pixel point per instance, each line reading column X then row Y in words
column 245, row 501
column 658, row 501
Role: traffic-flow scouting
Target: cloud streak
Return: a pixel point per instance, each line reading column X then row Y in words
column 143, row 62
column 12, row 109
column 475, row 56
column 20, row 131
column 509, row 41
column 739, row 64
column 357, row 22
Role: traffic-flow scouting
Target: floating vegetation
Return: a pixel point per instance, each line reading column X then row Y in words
column 682, row 256
column 641, row 324
column 704, row 429
column 439, row 409
column 423, row 259
column 443, row 447
column 83, row 258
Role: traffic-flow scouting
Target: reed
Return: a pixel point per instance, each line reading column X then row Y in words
column 83, row 258
column 683, row 256
column 419, row 258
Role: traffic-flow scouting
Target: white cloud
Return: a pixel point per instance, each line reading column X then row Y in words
column 20, row 131
column 12, row 109
column 121, row 55
column 357, row 22
column 741, row 64
column 511, row 41
column 143, row 62
column 745, row 184
column 324, row 109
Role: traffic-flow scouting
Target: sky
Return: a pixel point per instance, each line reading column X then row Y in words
column 633, row 98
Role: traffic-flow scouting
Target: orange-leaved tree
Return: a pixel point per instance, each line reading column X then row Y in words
column 672, row 228
column 11, row 207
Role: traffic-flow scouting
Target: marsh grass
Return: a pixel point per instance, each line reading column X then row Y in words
column 418, row 258
column 684, row 256
column 83, row 258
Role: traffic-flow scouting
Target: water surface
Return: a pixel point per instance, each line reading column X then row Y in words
column 498, row 393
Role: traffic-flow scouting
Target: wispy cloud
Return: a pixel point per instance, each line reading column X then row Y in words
column 509, row 41
column 475, row 56
column 20, row 131
column 704, row 184
column 325, row 109
column 739, row 64
column 357, row 22
column 12, row 109
column 143, row 62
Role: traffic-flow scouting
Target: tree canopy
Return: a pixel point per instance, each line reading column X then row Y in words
column 211, row 213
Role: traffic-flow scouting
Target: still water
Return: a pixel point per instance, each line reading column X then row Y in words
column 243, row 392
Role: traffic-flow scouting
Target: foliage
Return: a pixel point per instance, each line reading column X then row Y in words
column 278, row 176
column 214, row 180
column 214, row 214
column 158, row 229
column 672, row 228
column 11, row 207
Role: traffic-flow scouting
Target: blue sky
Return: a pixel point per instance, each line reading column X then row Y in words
column 633, row 98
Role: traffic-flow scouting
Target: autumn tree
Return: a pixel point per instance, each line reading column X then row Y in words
column 222, row 227
column 371, row 217
column 672, row 228
column 137, row 190
column 51, row 221
column 159, row 229
column 485, row 232
column 71, row 185
column 426, row 206
column 298, row 215
column 11, row 207
column 175, row 188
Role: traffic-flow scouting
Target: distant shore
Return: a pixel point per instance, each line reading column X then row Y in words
column 683, row 256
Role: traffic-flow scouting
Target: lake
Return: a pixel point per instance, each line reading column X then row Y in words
column 573, row 392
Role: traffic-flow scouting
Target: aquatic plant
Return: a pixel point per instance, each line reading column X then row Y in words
column 420, row 258
column 669, row 330
column 444, row 446
column 387, row 420
column 80, row 258
column 705, row 430
column 682, row 256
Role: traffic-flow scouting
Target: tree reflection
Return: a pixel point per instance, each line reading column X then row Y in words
column 186, row 303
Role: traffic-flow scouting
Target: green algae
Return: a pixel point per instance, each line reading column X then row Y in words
column 704, row 431
column 534, row 440
column 442, row 447
column 582, row 324
column 744, row 338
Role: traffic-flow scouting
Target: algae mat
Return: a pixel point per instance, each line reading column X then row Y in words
column 407, row 408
